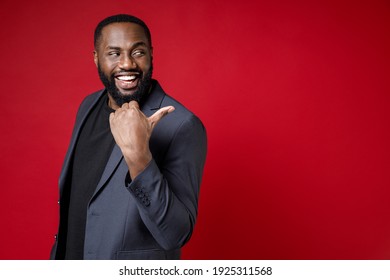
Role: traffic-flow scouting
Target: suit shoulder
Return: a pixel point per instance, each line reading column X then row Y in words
column 181, row 119
column 181, row 113
column 91, row 98
column 180, row 128
column 88, row 102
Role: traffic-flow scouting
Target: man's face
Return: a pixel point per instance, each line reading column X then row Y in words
column 123, row 57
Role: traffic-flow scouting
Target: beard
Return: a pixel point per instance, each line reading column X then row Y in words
column 140, row 93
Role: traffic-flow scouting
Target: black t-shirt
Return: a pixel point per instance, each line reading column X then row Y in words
column 93, row 148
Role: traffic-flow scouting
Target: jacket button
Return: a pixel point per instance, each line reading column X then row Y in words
column 146, row 201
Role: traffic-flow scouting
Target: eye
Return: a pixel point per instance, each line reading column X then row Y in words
column 138, row 53
column 114, row 54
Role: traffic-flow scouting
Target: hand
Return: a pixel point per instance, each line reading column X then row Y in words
column 132, row 130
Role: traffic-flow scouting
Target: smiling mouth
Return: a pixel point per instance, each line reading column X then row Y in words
column 127, row 81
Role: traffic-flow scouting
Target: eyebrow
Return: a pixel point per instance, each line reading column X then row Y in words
column 113, row 48
column 135, row 45
column 139, row 44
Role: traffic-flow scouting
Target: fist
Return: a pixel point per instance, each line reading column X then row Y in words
column 131, row 130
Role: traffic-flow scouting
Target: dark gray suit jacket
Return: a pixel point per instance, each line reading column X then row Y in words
column 153, row 216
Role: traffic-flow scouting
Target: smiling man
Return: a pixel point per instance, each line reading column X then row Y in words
column 130, row 181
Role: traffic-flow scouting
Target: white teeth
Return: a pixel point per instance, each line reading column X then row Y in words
column 126, row 78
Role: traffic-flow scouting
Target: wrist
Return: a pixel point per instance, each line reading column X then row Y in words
column 137, row 162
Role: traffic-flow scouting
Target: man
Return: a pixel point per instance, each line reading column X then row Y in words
column 130, row 181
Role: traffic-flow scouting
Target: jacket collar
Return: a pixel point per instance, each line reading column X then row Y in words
column 153, row 100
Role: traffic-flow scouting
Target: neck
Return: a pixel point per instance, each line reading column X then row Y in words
column 111, row 103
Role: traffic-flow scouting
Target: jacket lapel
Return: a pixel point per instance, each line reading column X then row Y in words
column 154, row 101
column 83, row 112
column 112, row 163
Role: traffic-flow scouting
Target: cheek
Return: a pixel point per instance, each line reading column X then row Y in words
column 108, row 69
column 145, row 65
column 107, row 65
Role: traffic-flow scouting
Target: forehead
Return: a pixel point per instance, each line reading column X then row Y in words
column 122, row 33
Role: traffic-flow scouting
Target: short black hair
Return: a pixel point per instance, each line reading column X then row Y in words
column 120, row 18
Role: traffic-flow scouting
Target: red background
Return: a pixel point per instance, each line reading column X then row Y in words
column 294, row 95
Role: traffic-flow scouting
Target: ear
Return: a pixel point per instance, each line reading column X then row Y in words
column 151, row 52
column 95, row 58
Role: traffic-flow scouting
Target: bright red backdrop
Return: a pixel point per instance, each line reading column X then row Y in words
column 294, row 95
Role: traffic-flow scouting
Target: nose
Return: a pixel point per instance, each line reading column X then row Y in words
column 126, row 62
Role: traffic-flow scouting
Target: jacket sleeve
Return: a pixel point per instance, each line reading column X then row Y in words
column 167, row 195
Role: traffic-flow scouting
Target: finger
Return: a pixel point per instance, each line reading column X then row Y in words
column 157, row 116
column 133, row 104
column 125, row 106
column 112, row 115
